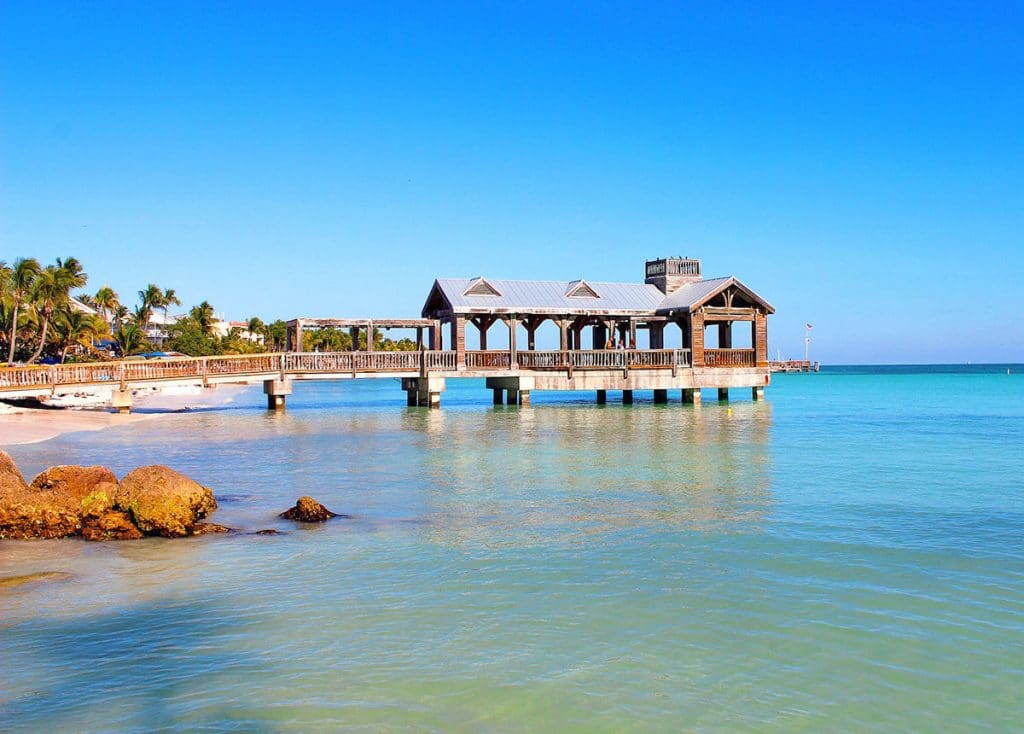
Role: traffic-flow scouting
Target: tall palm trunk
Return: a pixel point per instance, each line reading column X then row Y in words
column 42, row 338
column 14, row 330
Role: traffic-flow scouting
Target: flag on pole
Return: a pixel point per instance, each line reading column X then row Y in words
column 809, row 327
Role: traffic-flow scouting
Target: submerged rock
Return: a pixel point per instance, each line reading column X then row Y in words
column 8, row 582
column 111, row 526
column 163, row 502
column 267, row 531
column 205, row 528
column 308, row 509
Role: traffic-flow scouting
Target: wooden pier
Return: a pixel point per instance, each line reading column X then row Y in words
column 613, row 315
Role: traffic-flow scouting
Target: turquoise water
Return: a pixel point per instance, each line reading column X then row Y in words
column 845, row 555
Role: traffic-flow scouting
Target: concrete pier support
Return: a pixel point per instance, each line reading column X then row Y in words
column 757, row 392
column 276, row 391
column 602, row 397
column 423, row 391
column 121, row 401
column 691, row 396
column 627, row 397
column 516, row 389
column 723, row 393
column 660, row 397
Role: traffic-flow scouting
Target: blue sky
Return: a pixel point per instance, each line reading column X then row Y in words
column 859, row 164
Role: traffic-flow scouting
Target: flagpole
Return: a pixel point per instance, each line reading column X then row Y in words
column 807, row 343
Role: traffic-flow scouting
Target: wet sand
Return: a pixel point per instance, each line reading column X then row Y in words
column 32, row 426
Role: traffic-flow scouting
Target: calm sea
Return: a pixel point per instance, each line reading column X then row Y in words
column 846, row 555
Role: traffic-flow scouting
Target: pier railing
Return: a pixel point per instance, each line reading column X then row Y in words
column 729, row 358
column 205, row 369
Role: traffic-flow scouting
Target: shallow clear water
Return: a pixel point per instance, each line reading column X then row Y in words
column 845, row 555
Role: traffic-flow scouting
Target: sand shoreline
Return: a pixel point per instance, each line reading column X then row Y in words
column 20, row 426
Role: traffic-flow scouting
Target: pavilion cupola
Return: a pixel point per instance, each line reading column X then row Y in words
column 669, row 274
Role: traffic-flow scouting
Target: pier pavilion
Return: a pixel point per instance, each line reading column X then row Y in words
column 675, row 330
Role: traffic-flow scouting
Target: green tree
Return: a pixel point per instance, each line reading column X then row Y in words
column 77, row 328
column 150, row 298
column 51, row 292
column 167, row 299
column 130, row 339
column 20, row 278
column 204, row 316
column 107, row 302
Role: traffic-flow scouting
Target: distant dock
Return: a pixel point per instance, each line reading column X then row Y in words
column 794, row 365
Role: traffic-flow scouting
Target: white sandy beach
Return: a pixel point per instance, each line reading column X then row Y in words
column 32, row 425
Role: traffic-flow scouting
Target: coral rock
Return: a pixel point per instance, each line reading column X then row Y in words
column 308, row 509
column 163, row 502
column 111, row 526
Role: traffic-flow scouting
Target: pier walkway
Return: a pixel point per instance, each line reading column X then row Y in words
column 511, row 375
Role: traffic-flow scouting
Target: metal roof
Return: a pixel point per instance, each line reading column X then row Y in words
column 551, row 295
column 691, row 294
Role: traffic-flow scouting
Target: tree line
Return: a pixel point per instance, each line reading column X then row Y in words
column 39, row 320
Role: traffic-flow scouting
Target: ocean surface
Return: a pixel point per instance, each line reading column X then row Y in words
column 847, row 555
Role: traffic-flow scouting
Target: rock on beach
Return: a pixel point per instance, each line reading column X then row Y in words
column 88, row 501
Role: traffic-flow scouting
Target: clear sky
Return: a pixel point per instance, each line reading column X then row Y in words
column 861, row 165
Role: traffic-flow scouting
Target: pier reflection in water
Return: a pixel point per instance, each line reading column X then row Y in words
column 556, row 474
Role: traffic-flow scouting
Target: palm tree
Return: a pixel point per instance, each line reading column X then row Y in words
column 19, row 286
column 120, row 314
column 256, row 328
column 150, row 298
column 51, row 291
column 167, row 299
column 204, row 316
column 77, row 328
column 106, row 301
column 130, row 338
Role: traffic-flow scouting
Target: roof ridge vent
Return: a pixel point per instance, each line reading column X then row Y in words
column 581, row 289
column 480, row 286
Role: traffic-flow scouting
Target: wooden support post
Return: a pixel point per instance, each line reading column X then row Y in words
column 632, row 333
column 412, row 398
column 691, row 396
column 353, row 335
column 419, row 338
column 627, row 397
column 435, row 337
column 660, row 396
column 369, row 336
column 697, row 339
column 723, row 394
column 602, row 397
column 725, row 335
column 482, row 326
column 299, row 346
column 759, row 338
column 511, row 397
column 497, row 396
column 513, row 326
column 757, row 392
column 656, row 331
column 524, row 398
column 458, row 324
